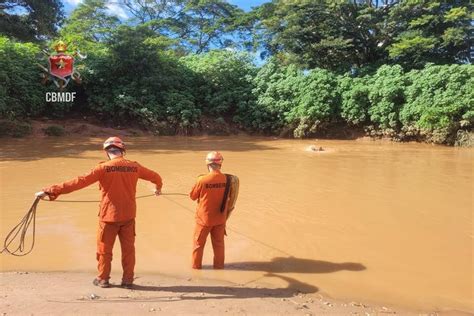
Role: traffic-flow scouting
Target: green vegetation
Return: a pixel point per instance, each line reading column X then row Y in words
column 138, row 80
column 54, row 130
column 21, row 91
column 341, row 34
column 395, row 69
column 14, row 128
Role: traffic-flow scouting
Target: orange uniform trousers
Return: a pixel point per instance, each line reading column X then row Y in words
column 217, row 238
column 106, row 235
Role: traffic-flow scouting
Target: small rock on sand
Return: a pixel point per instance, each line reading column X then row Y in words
column 94, row 296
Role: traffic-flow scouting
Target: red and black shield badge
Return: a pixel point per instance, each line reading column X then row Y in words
column 61, row 65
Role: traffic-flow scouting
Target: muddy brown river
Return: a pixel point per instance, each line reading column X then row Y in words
column 368, row 221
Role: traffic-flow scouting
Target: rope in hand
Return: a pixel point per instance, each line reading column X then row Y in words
column 97, row 201
column 30, row 217
column 21, row 229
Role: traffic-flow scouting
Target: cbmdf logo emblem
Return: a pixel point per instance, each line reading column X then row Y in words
column 61, row 65
column 61, row 70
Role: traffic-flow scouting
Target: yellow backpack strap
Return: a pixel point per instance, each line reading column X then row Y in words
column 228, row 178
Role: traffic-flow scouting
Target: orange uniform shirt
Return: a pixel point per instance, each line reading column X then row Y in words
column 209, row 191
column 117, row 182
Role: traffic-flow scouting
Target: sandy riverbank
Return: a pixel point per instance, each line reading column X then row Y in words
column 64, row 293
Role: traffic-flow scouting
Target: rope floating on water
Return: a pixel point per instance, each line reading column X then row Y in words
column 235, row 231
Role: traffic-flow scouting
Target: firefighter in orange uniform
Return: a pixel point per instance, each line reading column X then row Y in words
column 211, row 213
column 117, row 179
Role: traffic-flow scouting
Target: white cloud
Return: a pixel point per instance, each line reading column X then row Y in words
column 73, row 2
column 115, row 9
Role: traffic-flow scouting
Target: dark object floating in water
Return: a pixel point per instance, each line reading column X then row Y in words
column 315, row 148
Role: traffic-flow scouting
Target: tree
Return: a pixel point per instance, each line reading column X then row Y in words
column 89, row 25
column 208, row 23
column 199, row 25
column 30, row 20
column 429, row 31
column 340, row 35
column 328, row 34
column 159, row 10
column 139, row 80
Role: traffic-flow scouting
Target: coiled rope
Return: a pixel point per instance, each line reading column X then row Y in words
column 22, row 228
column 30, row 218
column 20, row 231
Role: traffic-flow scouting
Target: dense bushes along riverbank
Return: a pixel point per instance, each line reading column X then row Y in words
column 137, row 80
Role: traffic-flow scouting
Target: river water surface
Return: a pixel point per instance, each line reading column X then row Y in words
column 362, row 221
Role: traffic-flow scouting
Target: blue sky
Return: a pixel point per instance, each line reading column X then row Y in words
column 69, row 5
column 248, row 4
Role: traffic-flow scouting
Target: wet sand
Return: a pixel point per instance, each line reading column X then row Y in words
column 382, row 223
column 72, row 293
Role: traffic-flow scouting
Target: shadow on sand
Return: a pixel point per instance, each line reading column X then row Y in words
column 195, row 292
column 276, row 265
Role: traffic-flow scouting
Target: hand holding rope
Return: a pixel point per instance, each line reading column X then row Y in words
column 21, row 229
